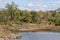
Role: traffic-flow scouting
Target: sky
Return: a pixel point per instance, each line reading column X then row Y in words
column 33, row 4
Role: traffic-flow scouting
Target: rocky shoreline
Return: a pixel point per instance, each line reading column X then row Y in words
column 11, row 36
column 6, row 34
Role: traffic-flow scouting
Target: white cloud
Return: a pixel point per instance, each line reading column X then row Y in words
column 0, row 1
column 55, row 3
column 39, row 5
column 7, row 2
column 36, row 5
column 30, row 4
column 42, row 5
column 45, row 6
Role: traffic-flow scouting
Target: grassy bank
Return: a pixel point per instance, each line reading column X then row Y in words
column 35, row 28
column 39, row 28
column 28, row 28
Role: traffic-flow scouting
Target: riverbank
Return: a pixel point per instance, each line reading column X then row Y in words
column 8, row 31
column 6, row 34
column 38, row 28
column 29, row 28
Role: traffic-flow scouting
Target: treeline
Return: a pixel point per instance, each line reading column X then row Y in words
column 12, row 14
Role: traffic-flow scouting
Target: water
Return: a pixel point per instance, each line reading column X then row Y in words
column 40, row 36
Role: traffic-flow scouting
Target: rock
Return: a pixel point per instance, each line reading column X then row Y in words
column 6, row 39
column 18, row 36
column 1, row 39
column 14, row 36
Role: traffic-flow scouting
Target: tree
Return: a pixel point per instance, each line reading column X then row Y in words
column 10, row 10
column 27, row 16
column 34, row 16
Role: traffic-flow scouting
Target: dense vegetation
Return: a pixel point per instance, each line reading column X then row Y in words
column 12, row 14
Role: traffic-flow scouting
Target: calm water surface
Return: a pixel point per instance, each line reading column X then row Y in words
column 40, row 36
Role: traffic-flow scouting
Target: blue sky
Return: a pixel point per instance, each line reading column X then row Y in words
column 33, row 4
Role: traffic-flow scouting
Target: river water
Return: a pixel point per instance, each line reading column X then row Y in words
column 40, row 36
